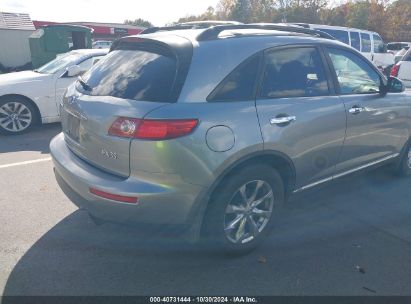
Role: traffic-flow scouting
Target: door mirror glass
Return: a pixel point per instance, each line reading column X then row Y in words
column 73, row 71
column 395, row 85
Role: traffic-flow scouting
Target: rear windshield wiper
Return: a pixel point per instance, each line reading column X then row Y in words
column 84, row 84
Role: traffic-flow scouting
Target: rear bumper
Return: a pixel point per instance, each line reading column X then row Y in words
column 162, row 198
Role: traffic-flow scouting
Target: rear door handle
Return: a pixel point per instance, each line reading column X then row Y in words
column 282, row 120
column 356, row 110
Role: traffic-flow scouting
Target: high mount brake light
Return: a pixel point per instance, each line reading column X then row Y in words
column 152, row 129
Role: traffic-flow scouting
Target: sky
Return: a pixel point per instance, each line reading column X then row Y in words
column 158, row 12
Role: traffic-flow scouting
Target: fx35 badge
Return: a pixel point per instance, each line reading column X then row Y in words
column 109, row 154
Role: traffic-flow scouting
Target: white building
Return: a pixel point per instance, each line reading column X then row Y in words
column 15, row 30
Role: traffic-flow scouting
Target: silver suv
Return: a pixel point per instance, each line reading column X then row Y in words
column 212, row 129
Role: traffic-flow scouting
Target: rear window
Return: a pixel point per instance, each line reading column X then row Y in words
column 407, row 56
column 396, row 46
column 146, row 75
column 337, row 34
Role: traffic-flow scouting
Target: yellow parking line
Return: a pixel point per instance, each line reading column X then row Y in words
column 26, row 162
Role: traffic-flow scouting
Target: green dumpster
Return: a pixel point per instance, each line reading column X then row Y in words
column 49, row 41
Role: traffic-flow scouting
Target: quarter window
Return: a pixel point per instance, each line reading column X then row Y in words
column 296, row 72
column 366, row 43
column 240, row 84
column 355, row 75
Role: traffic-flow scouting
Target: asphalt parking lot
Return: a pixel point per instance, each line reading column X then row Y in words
column 352, row 237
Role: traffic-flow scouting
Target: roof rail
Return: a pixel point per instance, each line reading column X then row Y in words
column 189, row 25
column 213, row 32
column 155, row 29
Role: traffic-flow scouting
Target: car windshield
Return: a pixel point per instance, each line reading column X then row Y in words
column 60, row 63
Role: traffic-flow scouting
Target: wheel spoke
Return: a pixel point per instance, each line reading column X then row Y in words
column 11, row 106
column 243, row 193
column 255, row 193
column 19, row 125
column 253, row 225
column 262, row 213
column 239, row 235
column 5, row 122
column 21, row 109
column 5, row 111
column 261, row 200
column 14, row 126
column 232, row 225
column 234, row 209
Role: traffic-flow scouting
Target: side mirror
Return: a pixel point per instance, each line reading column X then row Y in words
column 394, row 85
column 73, row 71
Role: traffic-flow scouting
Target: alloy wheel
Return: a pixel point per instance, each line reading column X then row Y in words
column 248, row 212
column 15, row 117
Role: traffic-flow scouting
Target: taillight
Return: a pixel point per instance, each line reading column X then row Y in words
column 395, row 70
column 153, row 129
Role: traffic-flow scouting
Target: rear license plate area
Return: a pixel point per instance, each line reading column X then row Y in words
column 73, row 127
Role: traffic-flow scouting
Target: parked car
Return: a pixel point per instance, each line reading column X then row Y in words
column 213, row 129
column 31, row 97
column 395, row 47
column 370, row 44
column 402, row 69
column 102, row 44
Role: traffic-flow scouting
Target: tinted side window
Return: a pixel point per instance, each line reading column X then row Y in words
column 378, row 44
column 133, row 74
column 355, row 40
column 240, row 84
column 407, row 56
column 366, row 43
column 337, row 34
column 296, row 72
column 355, row 75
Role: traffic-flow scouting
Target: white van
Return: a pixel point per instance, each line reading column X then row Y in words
column 370, row 44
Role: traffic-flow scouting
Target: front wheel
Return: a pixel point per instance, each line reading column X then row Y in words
column 243, row 209
column 17, row 116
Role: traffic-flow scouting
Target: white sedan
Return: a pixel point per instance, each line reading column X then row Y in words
column 31, row 97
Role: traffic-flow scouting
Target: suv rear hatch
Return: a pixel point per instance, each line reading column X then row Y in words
column 138, row 76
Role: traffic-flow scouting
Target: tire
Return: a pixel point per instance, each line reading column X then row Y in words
column 228, row 223
column 404, row 166
column 17, row 115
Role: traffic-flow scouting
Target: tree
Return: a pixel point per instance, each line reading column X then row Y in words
column 225, row 8
column 399, row 19
column 139, row 22
column 242, row 11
